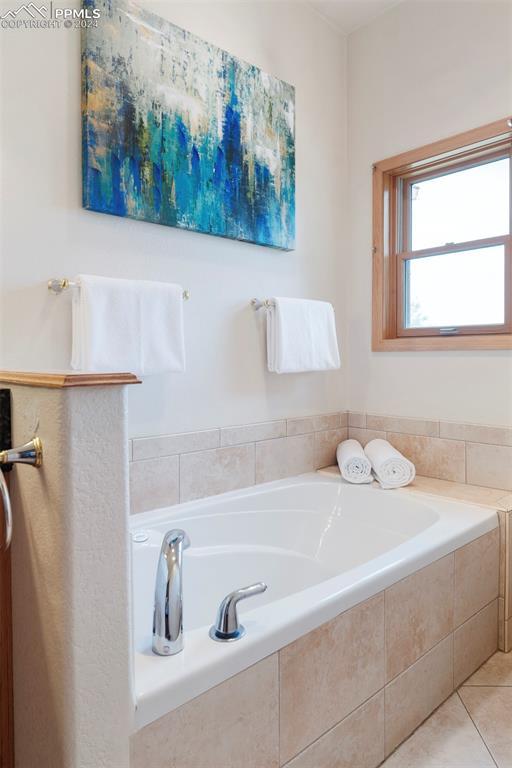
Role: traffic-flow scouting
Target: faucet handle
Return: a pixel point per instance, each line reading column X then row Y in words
column 226, row 626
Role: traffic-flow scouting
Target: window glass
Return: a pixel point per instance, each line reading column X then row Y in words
column 453, row 289
column 457, row 207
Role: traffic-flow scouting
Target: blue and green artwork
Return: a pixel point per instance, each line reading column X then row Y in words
column 178, row 132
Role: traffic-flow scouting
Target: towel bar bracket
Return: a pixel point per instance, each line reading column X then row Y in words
column 262, row 304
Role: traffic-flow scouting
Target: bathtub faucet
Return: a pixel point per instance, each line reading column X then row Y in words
column 168, row 612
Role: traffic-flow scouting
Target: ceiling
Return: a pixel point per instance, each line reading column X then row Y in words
column 348, row 15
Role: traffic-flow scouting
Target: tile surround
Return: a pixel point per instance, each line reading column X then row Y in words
column 252, row 433
column 356, row 742
column 170, row 445
column 154, row 483
column 419, row 613
column 327, row 673
column 207, row 473
column 474, row 641
column 324, row 700
column 236, row 720
column 344, row 724
column 414, row 694
column 476, row 575
column 489, row 465
column 432, row 456
column 365, row 435
column 405, row 425
column 192, row 465
column 442, row 450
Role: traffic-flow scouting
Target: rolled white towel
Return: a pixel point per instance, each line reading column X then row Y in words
column 354, row 466
column 390, row 467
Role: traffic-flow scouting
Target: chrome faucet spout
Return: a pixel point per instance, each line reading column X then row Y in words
column 168, row 611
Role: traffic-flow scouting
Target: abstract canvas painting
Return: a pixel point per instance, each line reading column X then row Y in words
column 178, row 132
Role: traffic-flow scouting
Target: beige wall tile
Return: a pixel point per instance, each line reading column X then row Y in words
column 448, row 739
column 300, row 454
column 343, row 418
column 501, row 624
column 271, row 460
column 506, row 554
column 357, row 742
column 473, row 493
column 167, row 445
column 399, row 424
column 356, row 419
column 326, row 444
column 285, row 457
column 476, row 433
column 505, row 502
column 432, row 456
column 329, row 672
column 303, row 425
column 476, row 575
column 210, row 472
column 489, row 465
column 249, row 433
column 491, row 711
column 419, row 613
column 475, row 641
column 154, row 483
column 235, row 723
column 414, row 694
column 365, row 435
column 507, row 636
column 503, row 531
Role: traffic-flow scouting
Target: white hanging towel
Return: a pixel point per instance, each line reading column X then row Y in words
column 127, row 325
column 301, row 336
column 390, row 467
column 355, row 467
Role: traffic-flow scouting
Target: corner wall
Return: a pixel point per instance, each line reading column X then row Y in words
column 421, row 72
column 45, row 233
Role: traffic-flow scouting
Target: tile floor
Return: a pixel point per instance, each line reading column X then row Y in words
column 472, row 729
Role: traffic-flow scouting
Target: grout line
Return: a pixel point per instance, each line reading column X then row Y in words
column 476, row 728
column 485, row 685
column 329, row 730
column 454, row 599
column 179, row 478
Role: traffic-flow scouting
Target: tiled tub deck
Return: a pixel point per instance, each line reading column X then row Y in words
column 348, row 693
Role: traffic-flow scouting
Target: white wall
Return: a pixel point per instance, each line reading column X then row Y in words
column 421, row 72
column 45, row 233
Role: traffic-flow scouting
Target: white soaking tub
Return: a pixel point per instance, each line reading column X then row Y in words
column 321, row 545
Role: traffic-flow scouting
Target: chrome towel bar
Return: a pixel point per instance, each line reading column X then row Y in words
column 57, row 285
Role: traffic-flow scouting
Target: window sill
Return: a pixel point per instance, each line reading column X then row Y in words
column 443, row 343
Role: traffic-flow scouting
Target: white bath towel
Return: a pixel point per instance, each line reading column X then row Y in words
column 389, row 466
column 127, row 325
column 301, row 336
column 355, row 467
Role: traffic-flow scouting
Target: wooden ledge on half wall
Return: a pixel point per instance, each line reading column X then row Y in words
column 64, row 379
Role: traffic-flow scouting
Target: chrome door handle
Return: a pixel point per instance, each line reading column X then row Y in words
column 6, row 503
column 226, row 626
column 31, row 453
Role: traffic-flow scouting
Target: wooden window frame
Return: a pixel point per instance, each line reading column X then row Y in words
column 392, row 179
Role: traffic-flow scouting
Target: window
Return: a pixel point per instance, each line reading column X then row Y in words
column 442, row 251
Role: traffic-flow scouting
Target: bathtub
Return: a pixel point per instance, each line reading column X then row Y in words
column 321, row 545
